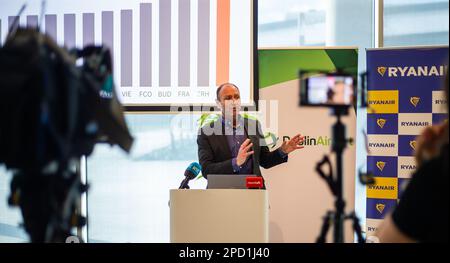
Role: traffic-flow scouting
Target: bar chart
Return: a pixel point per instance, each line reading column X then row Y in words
column 165, row 51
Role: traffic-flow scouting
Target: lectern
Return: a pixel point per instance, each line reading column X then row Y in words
column 219, row 216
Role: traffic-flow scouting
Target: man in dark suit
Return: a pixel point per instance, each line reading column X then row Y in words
column 236, row 145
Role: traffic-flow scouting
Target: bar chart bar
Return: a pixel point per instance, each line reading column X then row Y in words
column 223, row 41
column 50, row 26
column 69, row 31
column 32, row 21
column 146, row 41
column 108, row 30
column 184, row 43
column 164, row 43
column 126, row 45
column 203, row 42
column 88, row 29
column 146, row 45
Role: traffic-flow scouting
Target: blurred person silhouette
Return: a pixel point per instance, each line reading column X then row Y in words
column 340, row 93
column 422, row 213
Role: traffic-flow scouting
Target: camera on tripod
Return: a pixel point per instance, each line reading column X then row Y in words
column 337, row 91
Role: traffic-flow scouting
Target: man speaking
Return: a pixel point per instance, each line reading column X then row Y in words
column 234, row 144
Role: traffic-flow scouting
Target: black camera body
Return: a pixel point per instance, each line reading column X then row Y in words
column 53, row 112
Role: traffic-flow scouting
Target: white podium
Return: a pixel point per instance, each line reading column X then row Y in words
column 219, row 216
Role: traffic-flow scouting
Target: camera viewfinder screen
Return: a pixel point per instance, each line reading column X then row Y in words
column 330, row 90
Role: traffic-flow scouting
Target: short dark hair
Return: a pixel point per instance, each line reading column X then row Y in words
column 223, row 85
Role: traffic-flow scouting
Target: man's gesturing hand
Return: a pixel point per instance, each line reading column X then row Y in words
column 244, row 152
column 293, row 144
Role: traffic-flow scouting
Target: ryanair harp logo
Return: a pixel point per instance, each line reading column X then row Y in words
column 413, row 144
column 414, row 101
column 380, row 208
column 381, row 123
column 381, row 165
column 381, row 70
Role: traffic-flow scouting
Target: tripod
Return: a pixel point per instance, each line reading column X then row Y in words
column 338, row 216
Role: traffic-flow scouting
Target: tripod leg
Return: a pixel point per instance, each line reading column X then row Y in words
column 325, row 227
column 357, row 228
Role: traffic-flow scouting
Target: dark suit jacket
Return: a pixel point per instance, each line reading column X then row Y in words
column 214, row 153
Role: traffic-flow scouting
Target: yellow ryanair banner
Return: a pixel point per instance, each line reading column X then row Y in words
column 383, row 101
column 386, row 188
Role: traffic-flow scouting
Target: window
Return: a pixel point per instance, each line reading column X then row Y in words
column 10, row 217
column 129, row 196
column 415, row 22
column 292, row 23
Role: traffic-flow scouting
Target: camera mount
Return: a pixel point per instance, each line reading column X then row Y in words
column 335, row 183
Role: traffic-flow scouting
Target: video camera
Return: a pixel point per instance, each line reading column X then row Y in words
column 53, row 112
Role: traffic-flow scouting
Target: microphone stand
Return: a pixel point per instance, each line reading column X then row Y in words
column 184, row 183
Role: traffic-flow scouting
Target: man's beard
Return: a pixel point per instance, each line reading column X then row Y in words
column 231, row 112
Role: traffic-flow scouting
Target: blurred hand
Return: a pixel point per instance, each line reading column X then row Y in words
column 244, row 152
column 293, row 144
column 429, row 143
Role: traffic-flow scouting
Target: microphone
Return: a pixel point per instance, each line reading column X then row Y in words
column 191, row 172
